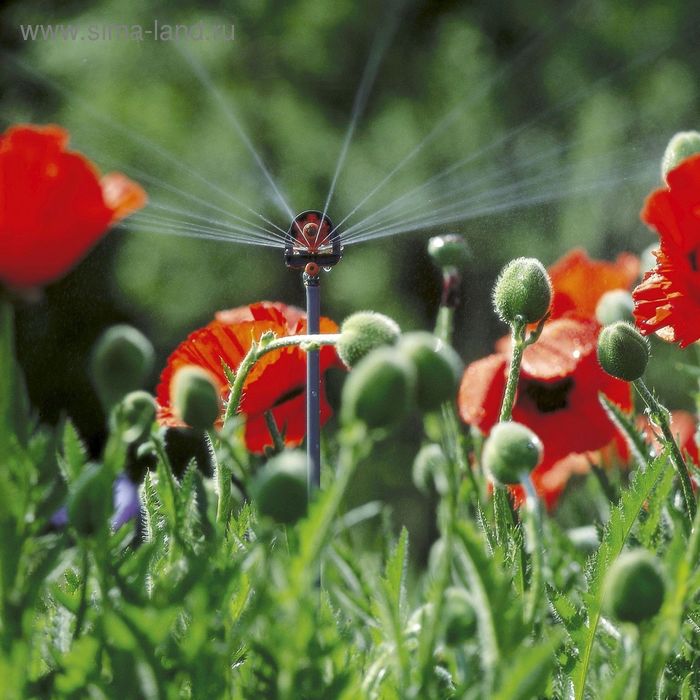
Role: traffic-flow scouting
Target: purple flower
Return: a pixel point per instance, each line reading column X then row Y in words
column 127, row 504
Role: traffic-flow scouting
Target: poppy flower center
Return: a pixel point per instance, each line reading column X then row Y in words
column 549, row 397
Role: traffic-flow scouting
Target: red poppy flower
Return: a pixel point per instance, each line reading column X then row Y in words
column 557, row 397
column 276, row 383
column 667, row 301
column 53, row 205
column 579, row 282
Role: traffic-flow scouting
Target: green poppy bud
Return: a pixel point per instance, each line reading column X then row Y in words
column 379, row 391
column 90, row 500
column 459, row 616
column 450, row 250
column 363, row 332
column 683, row 145
column 121, row 361
column 138, row 412
column 511, row 450
column 195, row 397
column 635, row 586
column 438, row 369
column 623, row 351
column 615, row 305
column 523, row 289
column 280, row 488
column 430, row 468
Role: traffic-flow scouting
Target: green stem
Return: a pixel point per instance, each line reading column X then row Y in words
column 519, row 345
column 223, row 482
column 533, row 542
column 257, row 351
column 660, row 416
column 82, row 605
column 7, row 369
column 503, row 516
column 277, row 440
column 444, row 325
column 427, row 640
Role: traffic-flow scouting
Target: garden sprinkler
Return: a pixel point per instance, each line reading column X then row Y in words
column 312, row 245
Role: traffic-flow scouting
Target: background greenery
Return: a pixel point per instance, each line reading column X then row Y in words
column 592, row 89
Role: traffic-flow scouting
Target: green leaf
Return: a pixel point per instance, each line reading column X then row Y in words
column 395, row 572
column 74, row 457
column 485, row 586
column 528, row 674
column 625, row 424
column 617, row 531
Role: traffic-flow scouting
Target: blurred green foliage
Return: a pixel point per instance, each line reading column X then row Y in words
column 587, row 92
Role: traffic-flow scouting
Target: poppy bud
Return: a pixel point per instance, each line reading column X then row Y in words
column 615, row 305
column 121, row 361
column 683, row 145
column 279, row 488
column 511, row 450
column 379, row 391
column 522, row 289
column 623, row 351
column 450, row 250
column 138, row 411
column 635, row 586
column 429, row 468
column 363, row 332
column 438, row 369
column 90, row 500
column 459, row 616
column 195, row 397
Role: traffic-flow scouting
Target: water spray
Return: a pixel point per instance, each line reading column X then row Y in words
column 312, row 245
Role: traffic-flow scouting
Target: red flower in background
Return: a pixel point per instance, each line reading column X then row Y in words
column 277, row 382
column 667, row 301
column 579, row 282
column 53, row 205
column 557, row 397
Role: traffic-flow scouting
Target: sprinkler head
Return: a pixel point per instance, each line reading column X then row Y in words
column 312, row 243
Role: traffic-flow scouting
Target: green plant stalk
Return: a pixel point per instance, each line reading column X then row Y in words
column 257, row 351
column 8, row 369
column 444, row 325
column 533, row 542
column 454, row 438
column 427, row 640
column 659, row 415
column 277, row 440
column 82, row 605
column 503, row 516
column 519, row 345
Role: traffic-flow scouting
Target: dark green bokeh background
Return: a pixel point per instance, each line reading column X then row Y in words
column 594, row 89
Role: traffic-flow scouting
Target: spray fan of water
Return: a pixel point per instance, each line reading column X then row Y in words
column 462, row 162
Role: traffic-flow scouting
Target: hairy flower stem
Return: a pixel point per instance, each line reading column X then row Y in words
column 260, row 349
column 503, row 514
column 660, row 416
